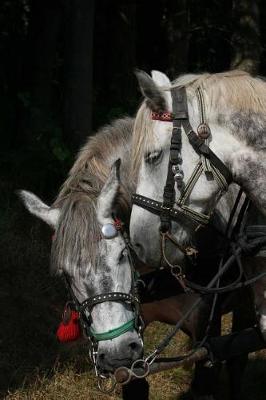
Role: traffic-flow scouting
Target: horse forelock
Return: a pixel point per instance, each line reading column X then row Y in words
column 142, row 138
column 76, row 243
column 77, row 236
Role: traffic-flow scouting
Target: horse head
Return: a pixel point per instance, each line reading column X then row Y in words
column 99, row 273
column 187, row 137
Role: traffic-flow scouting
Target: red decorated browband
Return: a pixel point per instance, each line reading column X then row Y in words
column 163, row 116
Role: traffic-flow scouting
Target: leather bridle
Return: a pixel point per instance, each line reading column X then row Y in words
column 172, row 209
column 85, row 312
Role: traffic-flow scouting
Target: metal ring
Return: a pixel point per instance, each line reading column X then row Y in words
column 140, row 364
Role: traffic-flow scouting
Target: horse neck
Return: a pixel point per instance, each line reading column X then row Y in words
column 246, row 162
column 249, row 170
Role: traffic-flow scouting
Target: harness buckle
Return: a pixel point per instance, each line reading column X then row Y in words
column 191, row 251
column 151, row 358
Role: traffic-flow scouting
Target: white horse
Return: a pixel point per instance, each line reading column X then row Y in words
column 90, row 252
column 77, row 217
column 234, row 106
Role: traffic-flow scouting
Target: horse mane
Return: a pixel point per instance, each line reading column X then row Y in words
column 226, row 93
column 77, row 236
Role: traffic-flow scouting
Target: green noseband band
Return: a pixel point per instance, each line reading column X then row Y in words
column 113, row 333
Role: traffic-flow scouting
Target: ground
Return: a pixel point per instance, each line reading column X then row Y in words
column 33, row 365
column 74, row 379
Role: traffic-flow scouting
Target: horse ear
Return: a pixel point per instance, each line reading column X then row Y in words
column 155, row 98
column 108, row 194
column 36, row 207
column 160, row 79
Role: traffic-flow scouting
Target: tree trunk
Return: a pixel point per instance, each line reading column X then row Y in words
column 78, row 71
column 178, row 39
column 125, row 60
column 45, row 26
column 246, row 46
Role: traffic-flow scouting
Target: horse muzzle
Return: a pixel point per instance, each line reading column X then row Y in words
column 118, row 352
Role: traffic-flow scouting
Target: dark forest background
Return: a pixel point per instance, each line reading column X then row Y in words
column 66, row 68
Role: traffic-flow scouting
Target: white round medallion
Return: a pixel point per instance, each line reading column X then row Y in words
column 109, row 231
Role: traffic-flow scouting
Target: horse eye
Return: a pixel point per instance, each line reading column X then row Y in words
column 153, row 157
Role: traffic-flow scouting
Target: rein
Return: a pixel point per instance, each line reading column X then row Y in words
column 211, row 288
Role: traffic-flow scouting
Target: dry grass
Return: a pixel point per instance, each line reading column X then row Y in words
column 32, row 365
column 74, row 379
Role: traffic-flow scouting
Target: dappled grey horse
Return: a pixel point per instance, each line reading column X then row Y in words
column 74, row 217
column 103, row 290
column 181, row 175
column 219, row 136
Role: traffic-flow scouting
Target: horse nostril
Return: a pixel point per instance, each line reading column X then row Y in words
column 133, row 345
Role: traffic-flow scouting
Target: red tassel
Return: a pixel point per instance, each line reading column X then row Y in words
column 69, row 331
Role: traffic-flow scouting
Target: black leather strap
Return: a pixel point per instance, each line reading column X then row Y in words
column 156, row 207
column 179, row 101
column 201, row 148
column 101, row 298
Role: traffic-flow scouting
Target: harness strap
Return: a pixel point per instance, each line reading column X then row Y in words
column 191, row 183
column 164, row 342
column 101, row 298
column 202, row 149
column 213, row 164
column 179, row 99
column 113, row 333
column 157, row 207
column 201, row 105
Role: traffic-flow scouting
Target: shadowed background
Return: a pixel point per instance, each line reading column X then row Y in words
column 67, row 68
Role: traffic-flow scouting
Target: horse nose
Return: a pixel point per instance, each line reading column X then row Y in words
column 123, row 355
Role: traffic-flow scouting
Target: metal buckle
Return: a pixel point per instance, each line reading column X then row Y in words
column 151, row 358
